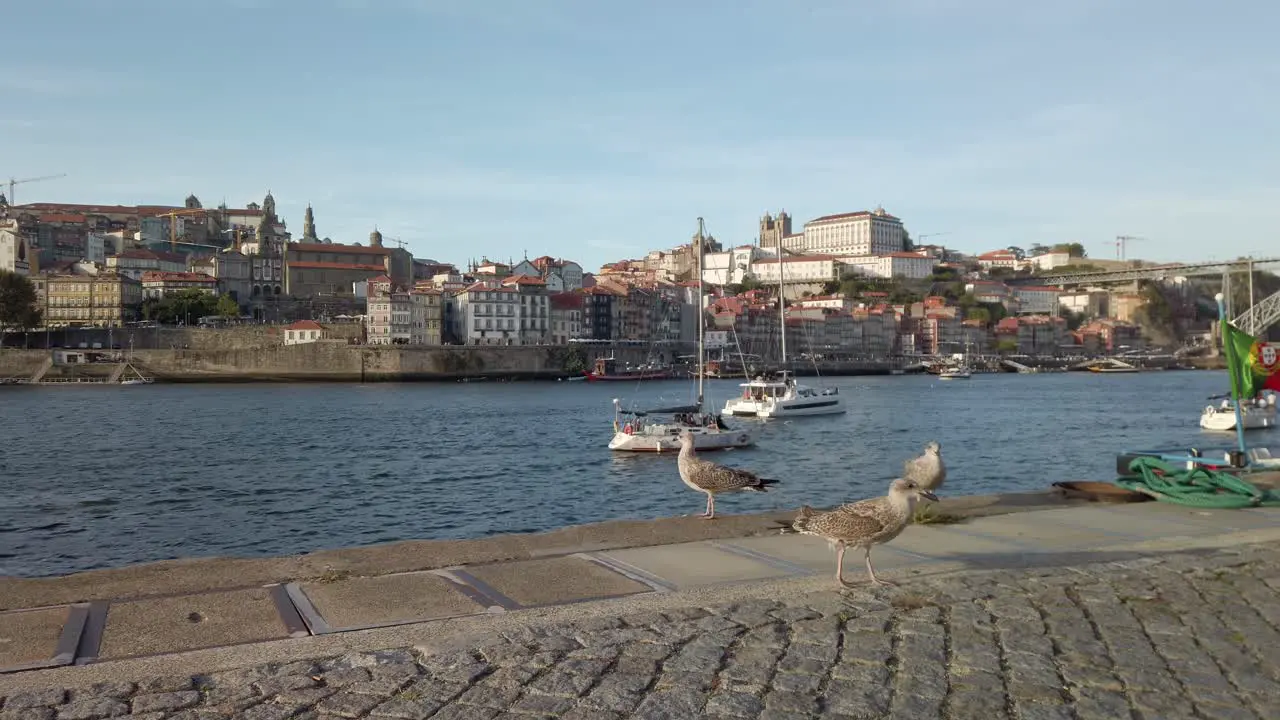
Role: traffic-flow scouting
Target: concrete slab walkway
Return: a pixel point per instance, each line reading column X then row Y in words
column 1170, row 635
column 101, row 631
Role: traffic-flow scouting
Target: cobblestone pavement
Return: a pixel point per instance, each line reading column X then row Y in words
column 1179, row 636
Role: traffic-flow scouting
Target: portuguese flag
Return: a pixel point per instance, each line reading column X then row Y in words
column 1254, row 366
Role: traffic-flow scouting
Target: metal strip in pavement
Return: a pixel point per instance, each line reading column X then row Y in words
column 91, row 639
column 315, row 623
column 476, row 589
column 289, row 614
column 777, row 563
column 71, row 632
column 628, row 571
column 631, row 571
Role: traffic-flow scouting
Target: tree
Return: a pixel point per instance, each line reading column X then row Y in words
column 907, row 243
column 228, row 307
column 1017, row 252
column 1075, row 249
column 185, row 306
column 1037, row 249
column 19, row 305
column 978, row 313
column 1006, row 346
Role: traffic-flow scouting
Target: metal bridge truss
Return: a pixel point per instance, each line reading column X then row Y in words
column 1261, row 316
column 1156, row 272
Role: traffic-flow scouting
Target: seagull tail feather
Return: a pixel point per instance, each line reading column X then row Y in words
column 762, row 485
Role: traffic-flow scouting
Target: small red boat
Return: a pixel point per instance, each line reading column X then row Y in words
column 607, row 370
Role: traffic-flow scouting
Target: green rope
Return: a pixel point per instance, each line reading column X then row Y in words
column 1197, row 487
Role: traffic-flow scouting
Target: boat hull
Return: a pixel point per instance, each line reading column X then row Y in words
column 657, row 375
column 666, row 438
column 1254, row 419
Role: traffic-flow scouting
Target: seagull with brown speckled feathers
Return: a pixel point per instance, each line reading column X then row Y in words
column 710, row 478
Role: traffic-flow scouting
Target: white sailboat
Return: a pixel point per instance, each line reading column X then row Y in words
column 659, row 429
column 782, row 396
column 960, row 370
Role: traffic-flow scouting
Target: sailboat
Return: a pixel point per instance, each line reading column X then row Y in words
column 958, row 371
column 659, row 429
column 781, row 396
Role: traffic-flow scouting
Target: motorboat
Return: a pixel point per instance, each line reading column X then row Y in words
column 955, row 373
column 607, row 370
column 783, row 397
column 1256, row 414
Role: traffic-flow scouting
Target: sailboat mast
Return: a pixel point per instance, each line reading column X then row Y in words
column 782, row 306
column 701, row 315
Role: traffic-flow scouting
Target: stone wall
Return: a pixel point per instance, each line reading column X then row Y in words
column 254, row 354
column 161, row 338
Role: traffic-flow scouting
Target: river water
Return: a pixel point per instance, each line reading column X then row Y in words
column 98, row 476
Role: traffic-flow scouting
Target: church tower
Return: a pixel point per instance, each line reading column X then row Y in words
column 269, row 207
column 375, row 239
column 309, row 226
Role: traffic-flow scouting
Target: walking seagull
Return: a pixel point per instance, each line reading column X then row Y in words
column 864, row 523
column 710, row 478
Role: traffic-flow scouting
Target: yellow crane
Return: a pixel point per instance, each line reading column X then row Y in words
column 13, row 183
column 173, row 222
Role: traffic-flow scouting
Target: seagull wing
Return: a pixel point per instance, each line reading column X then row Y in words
column 718, row 478
column 852, row 522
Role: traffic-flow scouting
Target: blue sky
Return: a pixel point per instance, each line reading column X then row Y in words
column 598, row 129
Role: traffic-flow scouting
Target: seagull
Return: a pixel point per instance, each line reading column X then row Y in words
column 864, row 523
column 927, row 469
column 710, row 478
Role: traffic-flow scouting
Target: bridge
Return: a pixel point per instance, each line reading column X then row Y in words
column 1147, row 272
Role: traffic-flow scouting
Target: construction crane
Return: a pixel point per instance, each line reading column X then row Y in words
column 173, row 223
column 399, row 242
column 13, row 183
column 1122, row 244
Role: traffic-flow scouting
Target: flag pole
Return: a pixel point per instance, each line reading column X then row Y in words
column 1233, row 369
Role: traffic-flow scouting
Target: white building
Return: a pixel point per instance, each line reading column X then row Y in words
column 489, row 314
column 15, row 254
column 303, row 331
column 733, row 266
column 1050, row 260
column 1004, row 259
column 899, row 264
column 797, row 269
column 1036, row 300
column 1090, row 303
column 867, row 232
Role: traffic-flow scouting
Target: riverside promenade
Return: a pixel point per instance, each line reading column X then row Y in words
column 1087, row 611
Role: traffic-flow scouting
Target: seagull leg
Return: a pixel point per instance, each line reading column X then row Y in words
column 840, row 567
column 711, row 507
column 872, row 571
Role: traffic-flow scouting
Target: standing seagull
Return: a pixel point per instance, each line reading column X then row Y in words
column 926, row 470
column 864, row 523
column 710, row 478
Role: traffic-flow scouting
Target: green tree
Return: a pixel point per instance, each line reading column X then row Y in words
column 228, row 307
column 1075, row 249
column 1006, row 346
column 907, row 243
column 978, row 313
column 19, row 305
column 184, row 306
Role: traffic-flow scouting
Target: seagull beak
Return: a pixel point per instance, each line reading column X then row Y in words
column 928, row 495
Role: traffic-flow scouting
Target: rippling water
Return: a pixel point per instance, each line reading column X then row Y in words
column 98, row 477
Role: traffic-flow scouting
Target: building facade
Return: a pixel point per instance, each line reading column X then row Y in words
column 867, row 232
column 15, row 252
column 107, row 299
column 160, row 285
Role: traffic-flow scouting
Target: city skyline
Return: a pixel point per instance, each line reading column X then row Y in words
column 572, row 130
